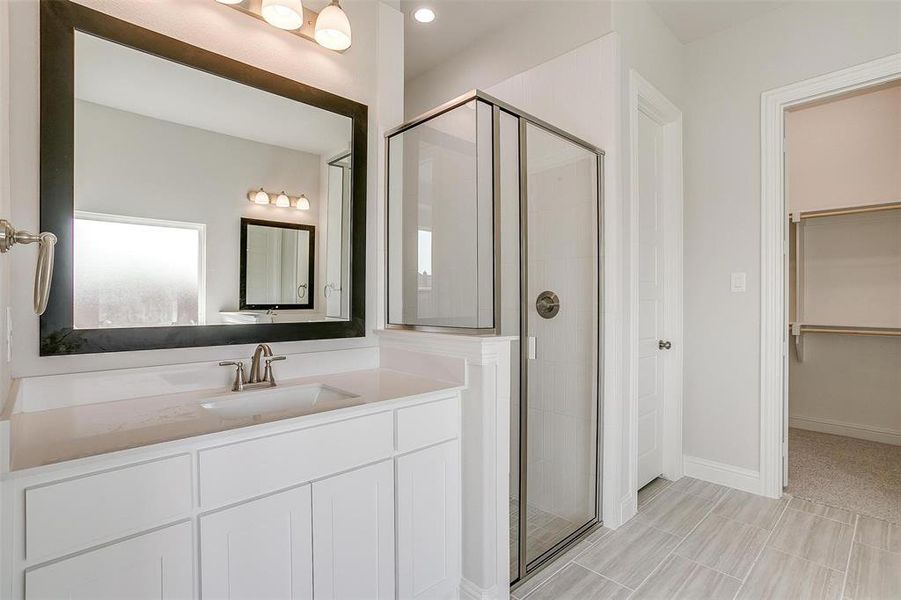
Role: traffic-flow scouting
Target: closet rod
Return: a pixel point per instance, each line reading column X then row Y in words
column 881, row 331
column 851, row 210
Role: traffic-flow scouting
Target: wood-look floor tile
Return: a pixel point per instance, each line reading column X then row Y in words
column 705, row 489
column 820, row 540
column 630, row 554
column 751, row 509
column 551, row 568
column 682, row 579
column 578, row 583
column 725, row 545
column 675, row 512
column 821, row 510
column 879, row 534
column 873, row 574
column 781, row 576
column 648, row 492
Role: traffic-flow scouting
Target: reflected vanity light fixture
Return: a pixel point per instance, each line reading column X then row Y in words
column 281, row 200
column 329, row 28
column 258, row 196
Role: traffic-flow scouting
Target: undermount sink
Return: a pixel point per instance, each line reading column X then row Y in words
column 296, row 400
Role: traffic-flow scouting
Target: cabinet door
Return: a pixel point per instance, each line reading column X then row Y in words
column 353, row 535
column 428, row 522
column 156, row 566
column 258, row 550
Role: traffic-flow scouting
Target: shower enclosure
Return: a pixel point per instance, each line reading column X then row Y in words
column 494, row 221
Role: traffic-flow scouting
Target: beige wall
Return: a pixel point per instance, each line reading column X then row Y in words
column 724, row 77
column 843, row 153
column 846, row 152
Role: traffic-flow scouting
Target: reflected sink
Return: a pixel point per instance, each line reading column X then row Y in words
column 281, row 402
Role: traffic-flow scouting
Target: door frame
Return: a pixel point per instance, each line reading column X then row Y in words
column 774, row 248
column 645, row 98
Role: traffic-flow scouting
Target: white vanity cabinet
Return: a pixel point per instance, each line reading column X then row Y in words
column 261, row 549
column 353, row 535
column 354, row 504
column 153, row 565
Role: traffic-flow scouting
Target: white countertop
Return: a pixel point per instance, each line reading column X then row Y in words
column 51, row 436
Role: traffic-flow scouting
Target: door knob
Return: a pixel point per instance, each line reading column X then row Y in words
column 664, row 344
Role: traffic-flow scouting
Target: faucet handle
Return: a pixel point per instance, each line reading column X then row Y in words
column 270, row 359
column 240, row 380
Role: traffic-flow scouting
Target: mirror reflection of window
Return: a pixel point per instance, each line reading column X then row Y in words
column 137, row 272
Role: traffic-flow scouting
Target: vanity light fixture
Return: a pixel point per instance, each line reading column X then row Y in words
column 424, row 15
column 258, row 197
column 330, row 28
column 302, row 203
column 333, row 28
column 282, row 201
column 284, row 14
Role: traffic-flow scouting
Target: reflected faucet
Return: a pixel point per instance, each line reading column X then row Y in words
column 255, row 379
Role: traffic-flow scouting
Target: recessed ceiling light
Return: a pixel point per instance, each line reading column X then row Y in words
column 424, row 15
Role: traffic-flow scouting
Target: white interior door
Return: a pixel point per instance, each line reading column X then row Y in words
column 649, row 392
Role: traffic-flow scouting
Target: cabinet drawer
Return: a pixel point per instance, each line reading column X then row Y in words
column 153, row 565
column 426, row 424
column 77, row 513
column 245, row 469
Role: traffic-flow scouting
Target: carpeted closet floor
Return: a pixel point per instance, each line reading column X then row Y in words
column 858, row 475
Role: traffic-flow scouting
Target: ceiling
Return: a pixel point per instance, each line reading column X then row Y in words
column 125, row 79
column 457, row 25
column 691, row 20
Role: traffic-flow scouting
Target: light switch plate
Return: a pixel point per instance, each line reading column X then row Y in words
column 739, row 282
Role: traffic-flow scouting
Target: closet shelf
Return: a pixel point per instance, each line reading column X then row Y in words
column 846, row 210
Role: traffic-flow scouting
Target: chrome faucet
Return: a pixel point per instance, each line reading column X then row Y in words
column 267, row 379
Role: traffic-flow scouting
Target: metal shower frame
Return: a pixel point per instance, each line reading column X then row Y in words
column 526, row 568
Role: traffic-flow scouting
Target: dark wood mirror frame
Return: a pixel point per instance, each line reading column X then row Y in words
column 311, row 254
column 60, row 19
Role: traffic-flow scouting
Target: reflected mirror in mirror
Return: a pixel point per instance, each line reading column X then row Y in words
column 169, row 162
column 277, row 265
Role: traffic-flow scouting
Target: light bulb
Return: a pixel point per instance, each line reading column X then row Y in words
column 424, row 15
column 333, row 28
column 303, row 203
column 229, row 1
column 284, row 14
column 258, row 197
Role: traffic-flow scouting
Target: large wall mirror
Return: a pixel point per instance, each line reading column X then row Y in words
column 197, row 200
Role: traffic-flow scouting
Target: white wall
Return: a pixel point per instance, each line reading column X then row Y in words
column 181, row 173
column 370, row 72
column 545, row 31
column 724, row 77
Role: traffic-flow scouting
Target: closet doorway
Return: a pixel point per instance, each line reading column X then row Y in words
column 842, row 410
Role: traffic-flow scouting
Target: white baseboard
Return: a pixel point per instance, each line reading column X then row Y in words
column 722, row 474
column 628, row 508
column 470, row 591
column 863, row 432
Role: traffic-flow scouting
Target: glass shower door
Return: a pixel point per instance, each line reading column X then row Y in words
column 559, row 321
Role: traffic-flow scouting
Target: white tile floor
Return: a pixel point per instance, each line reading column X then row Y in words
column 693, row 539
